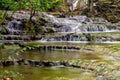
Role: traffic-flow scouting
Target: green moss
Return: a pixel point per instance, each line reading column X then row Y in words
column 30, row 27
column 4, row 31
column 10, row 74
column 2, row 18
column 50, row 30
column 111, row 17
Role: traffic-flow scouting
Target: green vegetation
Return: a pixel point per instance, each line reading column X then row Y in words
column 29, row 47
column 10, row 74
column 30, row 27
column 108, row 9
column 40, row 5
column 103, row 60
column 2, row 17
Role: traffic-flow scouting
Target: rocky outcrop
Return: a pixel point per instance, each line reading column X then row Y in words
column 20, row 28
column 71, row 24
column 34, row 63
column 78, row 23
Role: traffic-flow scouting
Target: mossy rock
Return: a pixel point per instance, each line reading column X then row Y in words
column 50, row 30
column 4, row 31
column 2, row 20
column 39, row 29
column 30, row 27
column 111, row 18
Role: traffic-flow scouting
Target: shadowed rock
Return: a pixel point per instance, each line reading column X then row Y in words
column 34, row 63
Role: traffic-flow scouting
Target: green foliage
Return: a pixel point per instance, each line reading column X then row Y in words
column 50, row 30
column 37, row 46
column 30, row 27
column 5, row 47
column 7, row 73
column 41, row 5
column 3, row 31
column 6, row 54
column 2, row 17
column 34, row 28
column 8, row 4
column 1, row 37
column 47, row 5
column 29, row 47
column 10, row 57
column 12, row 74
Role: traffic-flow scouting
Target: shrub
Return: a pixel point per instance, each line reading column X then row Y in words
column 40, row 5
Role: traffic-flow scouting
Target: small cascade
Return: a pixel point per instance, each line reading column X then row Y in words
column 95, row 28
column 64, row 38
column 63, row 47
column 74, row 4
column 83, row 37
column 76, row 28
column 79, row 24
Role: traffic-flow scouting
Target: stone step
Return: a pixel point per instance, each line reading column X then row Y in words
column 34, row 63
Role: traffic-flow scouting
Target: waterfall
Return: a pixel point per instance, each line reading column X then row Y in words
column 77, row 3
column 74, row 5
column 77, row 23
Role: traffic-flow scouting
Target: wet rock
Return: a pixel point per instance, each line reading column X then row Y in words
column 7, row 63
column 26, row 62
column 20, row 62
column 16, row 26
column 73, row 24
column 82, row 19
column 34, row 63
column 83, row 39
column 98, row 20
column 75, row 66
column 63, row 29
column 65, row 64
column 48, row 64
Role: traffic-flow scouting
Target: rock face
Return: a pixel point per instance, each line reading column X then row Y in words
column 78, row 24
column 71, row 24
column 16, row 26
column 42, row 64
column 50, row 23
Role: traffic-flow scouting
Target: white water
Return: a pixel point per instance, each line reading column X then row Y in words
column 74, row 5
column 79, row 24
column 103, row 42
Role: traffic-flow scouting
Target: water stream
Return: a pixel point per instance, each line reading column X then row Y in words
column 53, row 73
column 98, row 61
column 105, row 57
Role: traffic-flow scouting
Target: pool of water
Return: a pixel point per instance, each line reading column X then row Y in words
column 105, row 59
column 59, row 55
column 51, row 73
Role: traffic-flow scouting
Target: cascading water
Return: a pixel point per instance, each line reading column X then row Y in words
column 100, row 59
column 76, row 4
column 78, row 24
column 83, row 37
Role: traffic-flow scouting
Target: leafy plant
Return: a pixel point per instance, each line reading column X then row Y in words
column 2, row 17
column 30, row 27
column 12, row 74
column 41, row 5
column 50, row 30
column 5, row 47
